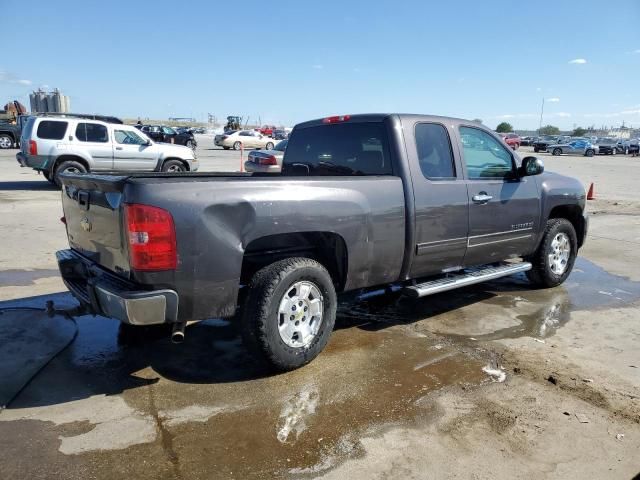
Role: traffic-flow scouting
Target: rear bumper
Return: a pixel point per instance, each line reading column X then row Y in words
column 104, row 293
column 38, row 162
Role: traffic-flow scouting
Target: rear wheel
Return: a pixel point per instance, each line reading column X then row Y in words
column 589, row 153
column 173, row 166
column 67, row 166
column 556, row 151
column 269, row 146
column 553, row 260
column 6, row 141
column 237, row 145
column 289, row 312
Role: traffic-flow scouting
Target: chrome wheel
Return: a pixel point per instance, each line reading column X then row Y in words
column 300, row 314
column 558, row 257
column 175, row 168
column 72, row 170
column 5, row 142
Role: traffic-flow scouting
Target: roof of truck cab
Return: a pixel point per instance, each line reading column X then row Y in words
column 379, row 117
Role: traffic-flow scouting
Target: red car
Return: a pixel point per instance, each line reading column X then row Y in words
column 267, row 130
column 512, row 139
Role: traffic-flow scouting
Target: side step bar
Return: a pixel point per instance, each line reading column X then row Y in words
column 467, row 277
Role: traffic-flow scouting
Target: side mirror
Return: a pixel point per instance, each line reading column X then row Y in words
column 531, row 166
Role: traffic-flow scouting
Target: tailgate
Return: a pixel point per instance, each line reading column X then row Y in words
column 93, row 212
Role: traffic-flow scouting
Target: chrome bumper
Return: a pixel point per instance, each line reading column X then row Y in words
column 104, row 293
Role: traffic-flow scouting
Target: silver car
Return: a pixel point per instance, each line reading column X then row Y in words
column 266, row 161
column 579, row 146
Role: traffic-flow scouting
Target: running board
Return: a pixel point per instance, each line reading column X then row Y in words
column 467, row 277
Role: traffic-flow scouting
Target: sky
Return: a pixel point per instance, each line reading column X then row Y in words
column 289, row 61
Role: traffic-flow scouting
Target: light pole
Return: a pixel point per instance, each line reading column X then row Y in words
column 541, row 113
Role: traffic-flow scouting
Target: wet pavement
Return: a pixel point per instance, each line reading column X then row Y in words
column 130, row 402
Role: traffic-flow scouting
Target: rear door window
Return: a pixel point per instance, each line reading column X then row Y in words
column 92, row 132
column 342, row 149
column 51, row 130
column 434, row 151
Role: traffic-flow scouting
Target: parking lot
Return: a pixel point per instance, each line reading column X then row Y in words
column 399, row 391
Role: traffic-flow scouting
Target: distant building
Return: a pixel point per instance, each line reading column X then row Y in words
column 43, row 102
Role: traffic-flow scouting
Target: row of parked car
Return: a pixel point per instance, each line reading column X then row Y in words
column 587, row 146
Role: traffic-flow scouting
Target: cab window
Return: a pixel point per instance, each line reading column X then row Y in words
column 484, row 156
column 434, row 152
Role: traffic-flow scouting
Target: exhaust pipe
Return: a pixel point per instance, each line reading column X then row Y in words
column 177, row 336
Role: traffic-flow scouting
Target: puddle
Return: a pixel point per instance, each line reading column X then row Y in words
column 505, row 308
column 20, row 278
column 220, row 413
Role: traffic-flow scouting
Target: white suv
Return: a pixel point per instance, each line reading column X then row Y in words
column 55, row 145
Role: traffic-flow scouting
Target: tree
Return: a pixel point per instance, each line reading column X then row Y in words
column 477, row 120
column 549, row 130
column 579, row 132
column 504, row 127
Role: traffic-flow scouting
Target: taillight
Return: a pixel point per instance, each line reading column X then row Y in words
column 152, row 238
column 268, row 160
column 336, row 119
column 33, row 147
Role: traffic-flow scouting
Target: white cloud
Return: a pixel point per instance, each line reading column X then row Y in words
column 538, row 89
column 9, row 77
column 578, row 61
column 24, row 82
column 562, row 114
column 552, row 100
column 317, row 66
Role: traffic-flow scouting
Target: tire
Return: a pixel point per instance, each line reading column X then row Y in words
column 551, row 271
column 556, row 152
column 269, row 146
column 272, row 335
column 173, row 166
column 226, row 148
column 589, row 153
column 536, row 149
column 190, row 145
column 46, row 174
column 237, row 145
column 6, row 142
column 67, row 166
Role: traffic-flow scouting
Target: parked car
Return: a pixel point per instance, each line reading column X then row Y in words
column 512, row 139
column 352, row 215
column 217, row 140
column 280, row 134
column 605, row 146
column 630, row 145
column 576, row 147
column 267, row 130
column 58, row 146
column 247, row 139
column 528, row 141
column 161, row 133
column 266, row 161
column 544, row 141
column 9, row 135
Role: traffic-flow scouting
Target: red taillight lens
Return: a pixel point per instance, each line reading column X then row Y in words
column 33, row 147
column 336, row 119
column 269, row 160
column 152, row 238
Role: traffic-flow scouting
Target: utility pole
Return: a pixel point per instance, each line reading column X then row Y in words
column 541, row 113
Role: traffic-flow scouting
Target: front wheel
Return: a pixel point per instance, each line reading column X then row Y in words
column 589, row 153
column 553, row 260
column 556, row 151
column 6, row 142
column 173, row 166
column 269, row 146
column 237, row 145
column 289, row 312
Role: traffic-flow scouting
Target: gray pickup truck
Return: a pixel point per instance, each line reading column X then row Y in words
column 364, row 203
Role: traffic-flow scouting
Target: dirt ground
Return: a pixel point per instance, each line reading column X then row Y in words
column 496, row 381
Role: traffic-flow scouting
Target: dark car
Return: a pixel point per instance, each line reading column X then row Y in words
column 279, row 134
column 606, row 146
column 528, row 141
column 352, row 212
column 161, row 133
column 541, row 144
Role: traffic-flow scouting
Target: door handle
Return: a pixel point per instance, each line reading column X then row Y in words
column 481, row 198
column 118, row 148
